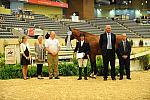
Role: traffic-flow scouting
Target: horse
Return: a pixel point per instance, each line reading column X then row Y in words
column 93, row 41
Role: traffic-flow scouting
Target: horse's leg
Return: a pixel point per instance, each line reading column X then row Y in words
column 93, row 65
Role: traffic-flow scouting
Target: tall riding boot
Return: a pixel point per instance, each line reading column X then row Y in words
column 80, row 73
column 85, row 73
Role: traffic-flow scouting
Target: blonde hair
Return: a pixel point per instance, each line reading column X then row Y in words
column 40, row 37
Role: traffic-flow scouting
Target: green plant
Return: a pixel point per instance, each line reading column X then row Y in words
column 68, row 69
column 2, row 61
column 145, row 60
column 65, row 69
column 10, row 71
column 99, row 65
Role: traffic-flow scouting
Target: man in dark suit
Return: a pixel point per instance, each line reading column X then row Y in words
column 82, row 47
column 124, row 50
column 107, row 44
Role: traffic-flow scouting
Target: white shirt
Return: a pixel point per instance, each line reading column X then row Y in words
column 82, row 43
column 53, row 45
column 109, row 45
column 23, row 47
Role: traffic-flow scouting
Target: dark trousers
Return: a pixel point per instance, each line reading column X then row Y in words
column 109, row 57
column 39, row 69
column 80, row 72
column 124, row 63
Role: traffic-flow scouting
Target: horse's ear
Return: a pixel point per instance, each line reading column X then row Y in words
column 69, row 28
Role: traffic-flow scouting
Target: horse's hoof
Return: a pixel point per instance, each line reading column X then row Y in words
column 94, row 77
column 90, row 76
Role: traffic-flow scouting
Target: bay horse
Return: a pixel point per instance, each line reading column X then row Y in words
column 93, row 41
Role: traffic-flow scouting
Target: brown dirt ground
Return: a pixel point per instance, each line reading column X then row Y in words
column 68, row 88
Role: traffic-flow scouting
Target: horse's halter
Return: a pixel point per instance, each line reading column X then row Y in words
column 71, row 37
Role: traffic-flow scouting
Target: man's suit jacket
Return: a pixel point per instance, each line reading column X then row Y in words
column 121, row 50
column 103, row 42
column 84, row 48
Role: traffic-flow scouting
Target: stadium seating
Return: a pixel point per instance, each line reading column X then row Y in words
column 139, row 28
column 95, row 26
column 46, row 23
column 83, row 26
column 117, row 28
column 4, row 33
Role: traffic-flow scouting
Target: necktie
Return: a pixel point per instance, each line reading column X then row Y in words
column 124, row 46
column 109, row 41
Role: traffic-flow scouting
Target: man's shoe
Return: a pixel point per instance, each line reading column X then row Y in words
column 120, row 78
column 105, row 79
column 85, row 78
column 129, row 78
column 50, row 77
column 79, row 78
column 57, row 77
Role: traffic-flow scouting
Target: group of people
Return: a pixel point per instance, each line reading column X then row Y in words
column 107, row 44
column 51, row 45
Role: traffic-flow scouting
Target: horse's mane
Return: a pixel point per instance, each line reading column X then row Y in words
column 85, row 33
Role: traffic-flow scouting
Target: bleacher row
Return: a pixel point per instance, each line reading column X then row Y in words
column 94, row 26
column 117, row 28
column 138, row 28
column 40, row 21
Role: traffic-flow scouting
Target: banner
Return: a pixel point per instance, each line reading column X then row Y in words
column 31, row 31
column 10, row 55
column 49, row 3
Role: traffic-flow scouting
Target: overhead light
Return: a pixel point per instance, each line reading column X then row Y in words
column 124, row 3
column 142, row 4
column 145, row 1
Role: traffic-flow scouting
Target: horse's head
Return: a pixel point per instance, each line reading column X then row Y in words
column 75, row 34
